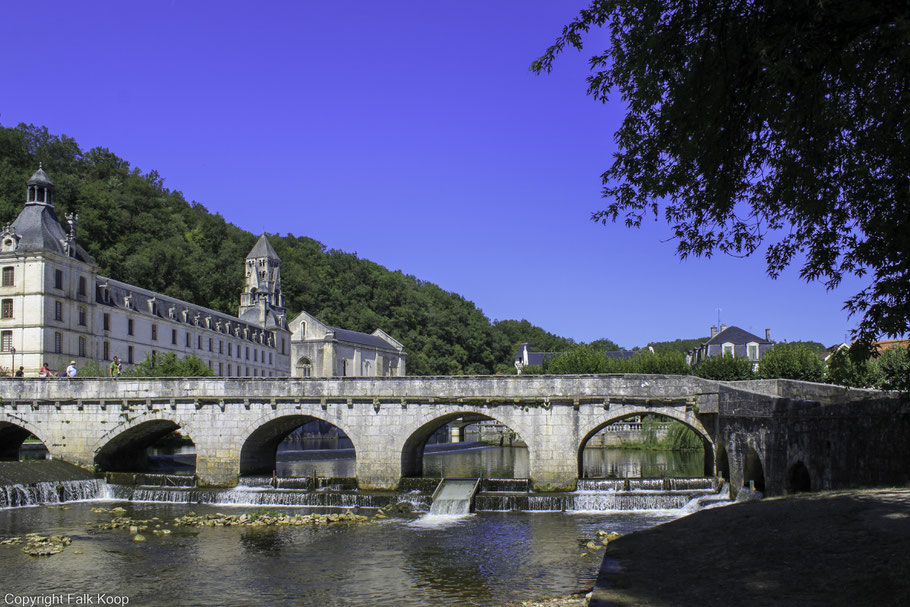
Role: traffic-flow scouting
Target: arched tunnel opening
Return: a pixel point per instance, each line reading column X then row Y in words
column 298, row 446
column 753, row 471
column 156, row 446
column 465, row 446
column 17, row 443
column 645, row 446
column 798, row 479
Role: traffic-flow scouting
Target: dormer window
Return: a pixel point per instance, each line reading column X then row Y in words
column 153, row 306
column 172, row 313
column 729, row 349
column 128, row 301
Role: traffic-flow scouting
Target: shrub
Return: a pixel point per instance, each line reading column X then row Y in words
column 792, row 361
column 894, row 367
column 168, row 365
column 725, row 368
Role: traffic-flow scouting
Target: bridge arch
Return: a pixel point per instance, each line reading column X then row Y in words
column 259, row 441
column 688, row 420
column 127, row 448
column 412, row 449
column 13, row 434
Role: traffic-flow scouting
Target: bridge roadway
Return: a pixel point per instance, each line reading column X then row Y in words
column 236, row 424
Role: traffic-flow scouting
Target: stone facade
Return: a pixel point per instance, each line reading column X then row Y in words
column 319, row 350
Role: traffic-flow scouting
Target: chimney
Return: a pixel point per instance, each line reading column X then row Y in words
column 723, row 328
column 713, row 331
column 767, row 334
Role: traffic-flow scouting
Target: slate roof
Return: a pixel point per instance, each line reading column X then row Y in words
column 40, row 230
column 262, row 248
column 39, row 177
column 735, row 335
column 364, row 339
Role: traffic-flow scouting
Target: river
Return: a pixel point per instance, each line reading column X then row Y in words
column 487, row 558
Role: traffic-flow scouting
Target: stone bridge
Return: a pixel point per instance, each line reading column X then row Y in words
column 780, row 435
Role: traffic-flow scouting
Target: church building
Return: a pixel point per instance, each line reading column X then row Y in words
column 55, row 308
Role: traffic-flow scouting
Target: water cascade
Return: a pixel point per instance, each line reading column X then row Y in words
column 34, row 494
column 454, row 496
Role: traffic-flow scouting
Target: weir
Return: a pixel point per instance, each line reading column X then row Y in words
column 455, row 496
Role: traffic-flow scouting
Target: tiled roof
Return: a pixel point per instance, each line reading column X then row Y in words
column 735, row 335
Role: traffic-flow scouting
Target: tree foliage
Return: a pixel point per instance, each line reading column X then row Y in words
column 169, row 365
column 894, row 370
column 846, row 370
column 587, row 359
column 725, row 368
column 778, row 124
column 791, row 361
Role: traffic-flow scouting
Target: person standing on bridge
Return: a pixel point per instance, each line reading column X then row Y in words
column 115, row 368
column 71, row 369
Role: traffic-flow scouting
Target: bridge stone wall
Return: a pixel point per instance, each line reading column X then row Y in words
column 843, row 437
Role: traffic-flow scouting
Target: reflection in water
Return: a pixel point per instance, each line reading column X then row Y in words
column 330, row 458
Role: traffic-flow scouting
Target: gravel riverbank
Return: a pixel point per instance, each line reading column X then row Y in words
column 817, row 549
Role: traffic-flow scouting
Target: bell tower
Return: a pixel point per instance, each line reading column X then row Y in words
column 262, row 297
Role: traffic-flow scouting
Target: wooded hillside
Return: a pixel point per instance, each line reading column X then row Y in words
column 145, row 234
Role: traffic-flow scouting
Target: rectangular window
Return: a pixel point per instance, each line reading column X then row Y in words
column 81, row 346
column 154, row 356
column 247, row 354
column 154, row 332
column 82, row 285
column 752, row 351
column 255, row 355
column 6, row 340
column 229, row 369
column 9, row 275
column 129, row 354
column 107, row 321
column 58, row 343
column 728, row 350
column 6, row 308
column 220, row 347
column 199, row 342
column 220, row 368
column 81, row 316
column 106, row 351
column 129, row 326
column 189, row 339
column 174, row 336
column 271, row 360
column 58, row 279
column 230, row 350
column 58, row 310
column 210, row 345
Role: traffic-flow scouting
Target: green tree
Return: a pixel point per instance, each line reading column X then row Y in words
column 663, row 363
column 791, row 361
column 725, row 368
column 169, row 365
column 753, row 124
column 846, row 370
column 894, row 367
column 581, row 359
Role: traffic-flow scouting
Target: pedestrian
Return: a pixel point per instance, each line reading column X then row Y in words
column 45, row 371
column 71, row 369
column 115, row 367
column 20, row 372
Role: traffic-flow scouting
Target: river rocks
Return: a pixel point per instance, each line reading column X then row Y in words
column 268, row 519
column 138, row 538
column 39, row 545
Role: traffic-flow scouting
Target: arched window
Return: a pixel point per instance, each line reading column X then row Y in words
column 304, row 367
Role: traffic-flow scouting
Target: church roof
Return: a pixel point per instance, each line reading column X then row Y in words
column 263, row 249
column 364, row 339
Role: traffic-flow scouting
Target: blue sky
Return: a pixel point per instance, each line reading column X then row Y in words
column 411, row 133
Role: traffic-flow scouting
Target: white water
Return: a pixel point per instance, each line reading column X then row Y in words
column 34, row 494
column 454, row 497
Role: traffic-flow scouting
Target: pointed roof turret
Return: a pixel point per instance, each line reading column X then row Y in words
column 263, row 249
column 39, row 177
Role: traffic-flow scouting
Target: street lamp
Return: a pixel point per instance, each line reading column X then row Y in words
column 12, row 369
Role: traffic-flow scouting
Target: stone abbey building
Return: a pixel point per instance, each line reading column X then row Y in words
column 55, row 307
